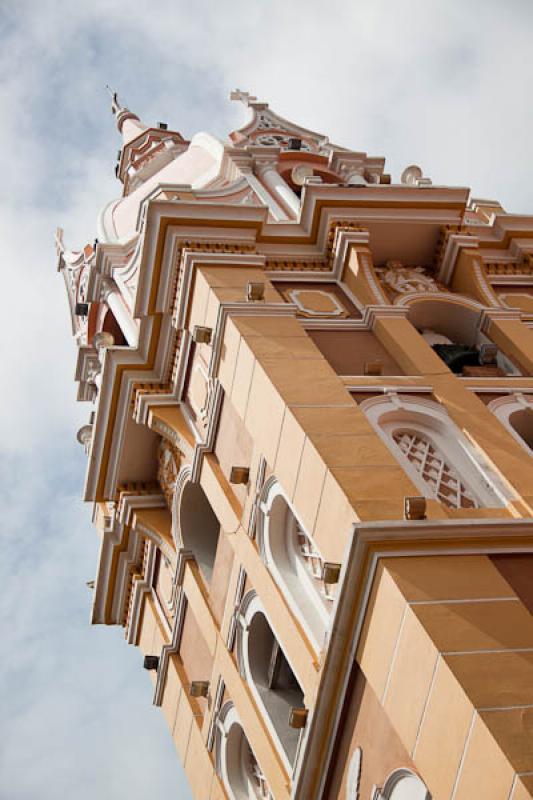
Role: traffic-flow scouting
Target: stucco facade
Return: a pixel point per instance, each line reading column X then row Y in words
column 309, row 454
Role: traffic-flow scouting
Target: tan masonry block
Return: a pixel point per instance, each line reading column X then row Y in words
column 408, row 348
column 198, row 604
column 309, row 485
column 232, row 277
column 515, row 339
column 448, row 714
column 147, row 628
column 485, row 772
column 379, row 510
column 513, row 730
column 410, row 679
column 160, row 635
column 481, row 513
column 383, row 620
column 307, row 382
column 481, row 427
column 353, row 451
column 217, row 296
column 283, row 347
column 523, row 789
column 200, row 298
column 183, row 725
column 289, row 454
column 242, row 380
column 495, row 680
column 335, row 521
column 443, row 578
column 355, row 276
column 221, row 496
column 198, row 766
column 264, row 414
column 217, row 789
column 343, row 420
column 383, row 483
column 228, row 356
column 460, row 627
column 171, row 694
column 257, row 325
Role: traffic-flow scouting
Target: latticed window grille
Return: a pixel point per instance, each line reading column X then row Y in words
column 314, row 563
column 309, row 554
column 258, row 779
column 432, row 466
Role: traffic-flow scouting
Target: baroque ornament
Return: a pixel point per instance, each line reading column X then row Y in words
column 405, row 280
column 168, row 466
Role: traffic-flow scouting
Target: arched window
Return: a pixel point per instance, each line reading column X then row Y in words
column 451, row 327
column 515, row 411
column 270, row 676
column 237, row 765
column 434, row 453
column 404, row 785
column 195, row 526
column 295, row 562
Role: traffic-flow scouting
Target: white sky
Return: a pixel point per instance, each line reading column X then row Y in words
column 443, row 84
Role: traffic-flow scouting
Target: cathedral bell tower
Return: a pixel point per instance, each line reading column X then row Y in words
column 310, row 458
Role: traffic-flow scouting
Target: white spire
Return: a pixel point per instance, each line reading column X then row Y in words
column 128, row 123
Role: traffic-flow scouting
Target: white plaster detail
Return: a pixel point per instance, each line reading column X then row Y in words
column 337, row 309
column 515, row 410
column 354, row 775
column 235, row 760
column 406, row 280
column 403, row 784
column 438, row 458
column 294, row 561
column 413, row 176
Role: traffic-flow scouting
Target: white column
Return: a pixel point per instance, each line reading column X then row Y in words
column 276, row 210
column 114, row 300
column 279, row 188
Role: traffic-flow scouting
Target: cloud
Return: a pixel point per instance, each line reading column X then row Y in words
column 445, row 84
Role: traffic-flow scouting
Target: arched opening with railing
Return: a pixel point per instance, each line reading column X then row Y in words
column 195, row 525
column 237, row 765
column 439, row 459
column 295, row 562
column 515, row 411
column 451, row 327
column 267, row 671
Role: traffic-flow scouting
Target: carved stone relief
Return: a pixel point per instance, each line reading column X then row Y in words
column 168, row 466
column 398, row 279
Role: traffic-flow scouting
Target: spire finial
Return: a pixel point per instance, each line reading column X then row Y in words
column 116, row 108
column 128, row 123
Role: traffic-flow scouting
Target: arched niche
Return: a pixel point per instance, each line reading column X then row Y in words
column 438, row 458
column 404, row 785
column 275, row 687
column 295, row 562
column 451, row 326
column 195, row 525
column 236, row 763
column 515, row 411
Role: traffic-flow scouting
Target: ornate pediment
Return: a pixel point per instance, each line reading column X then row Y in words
column 267, row 128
